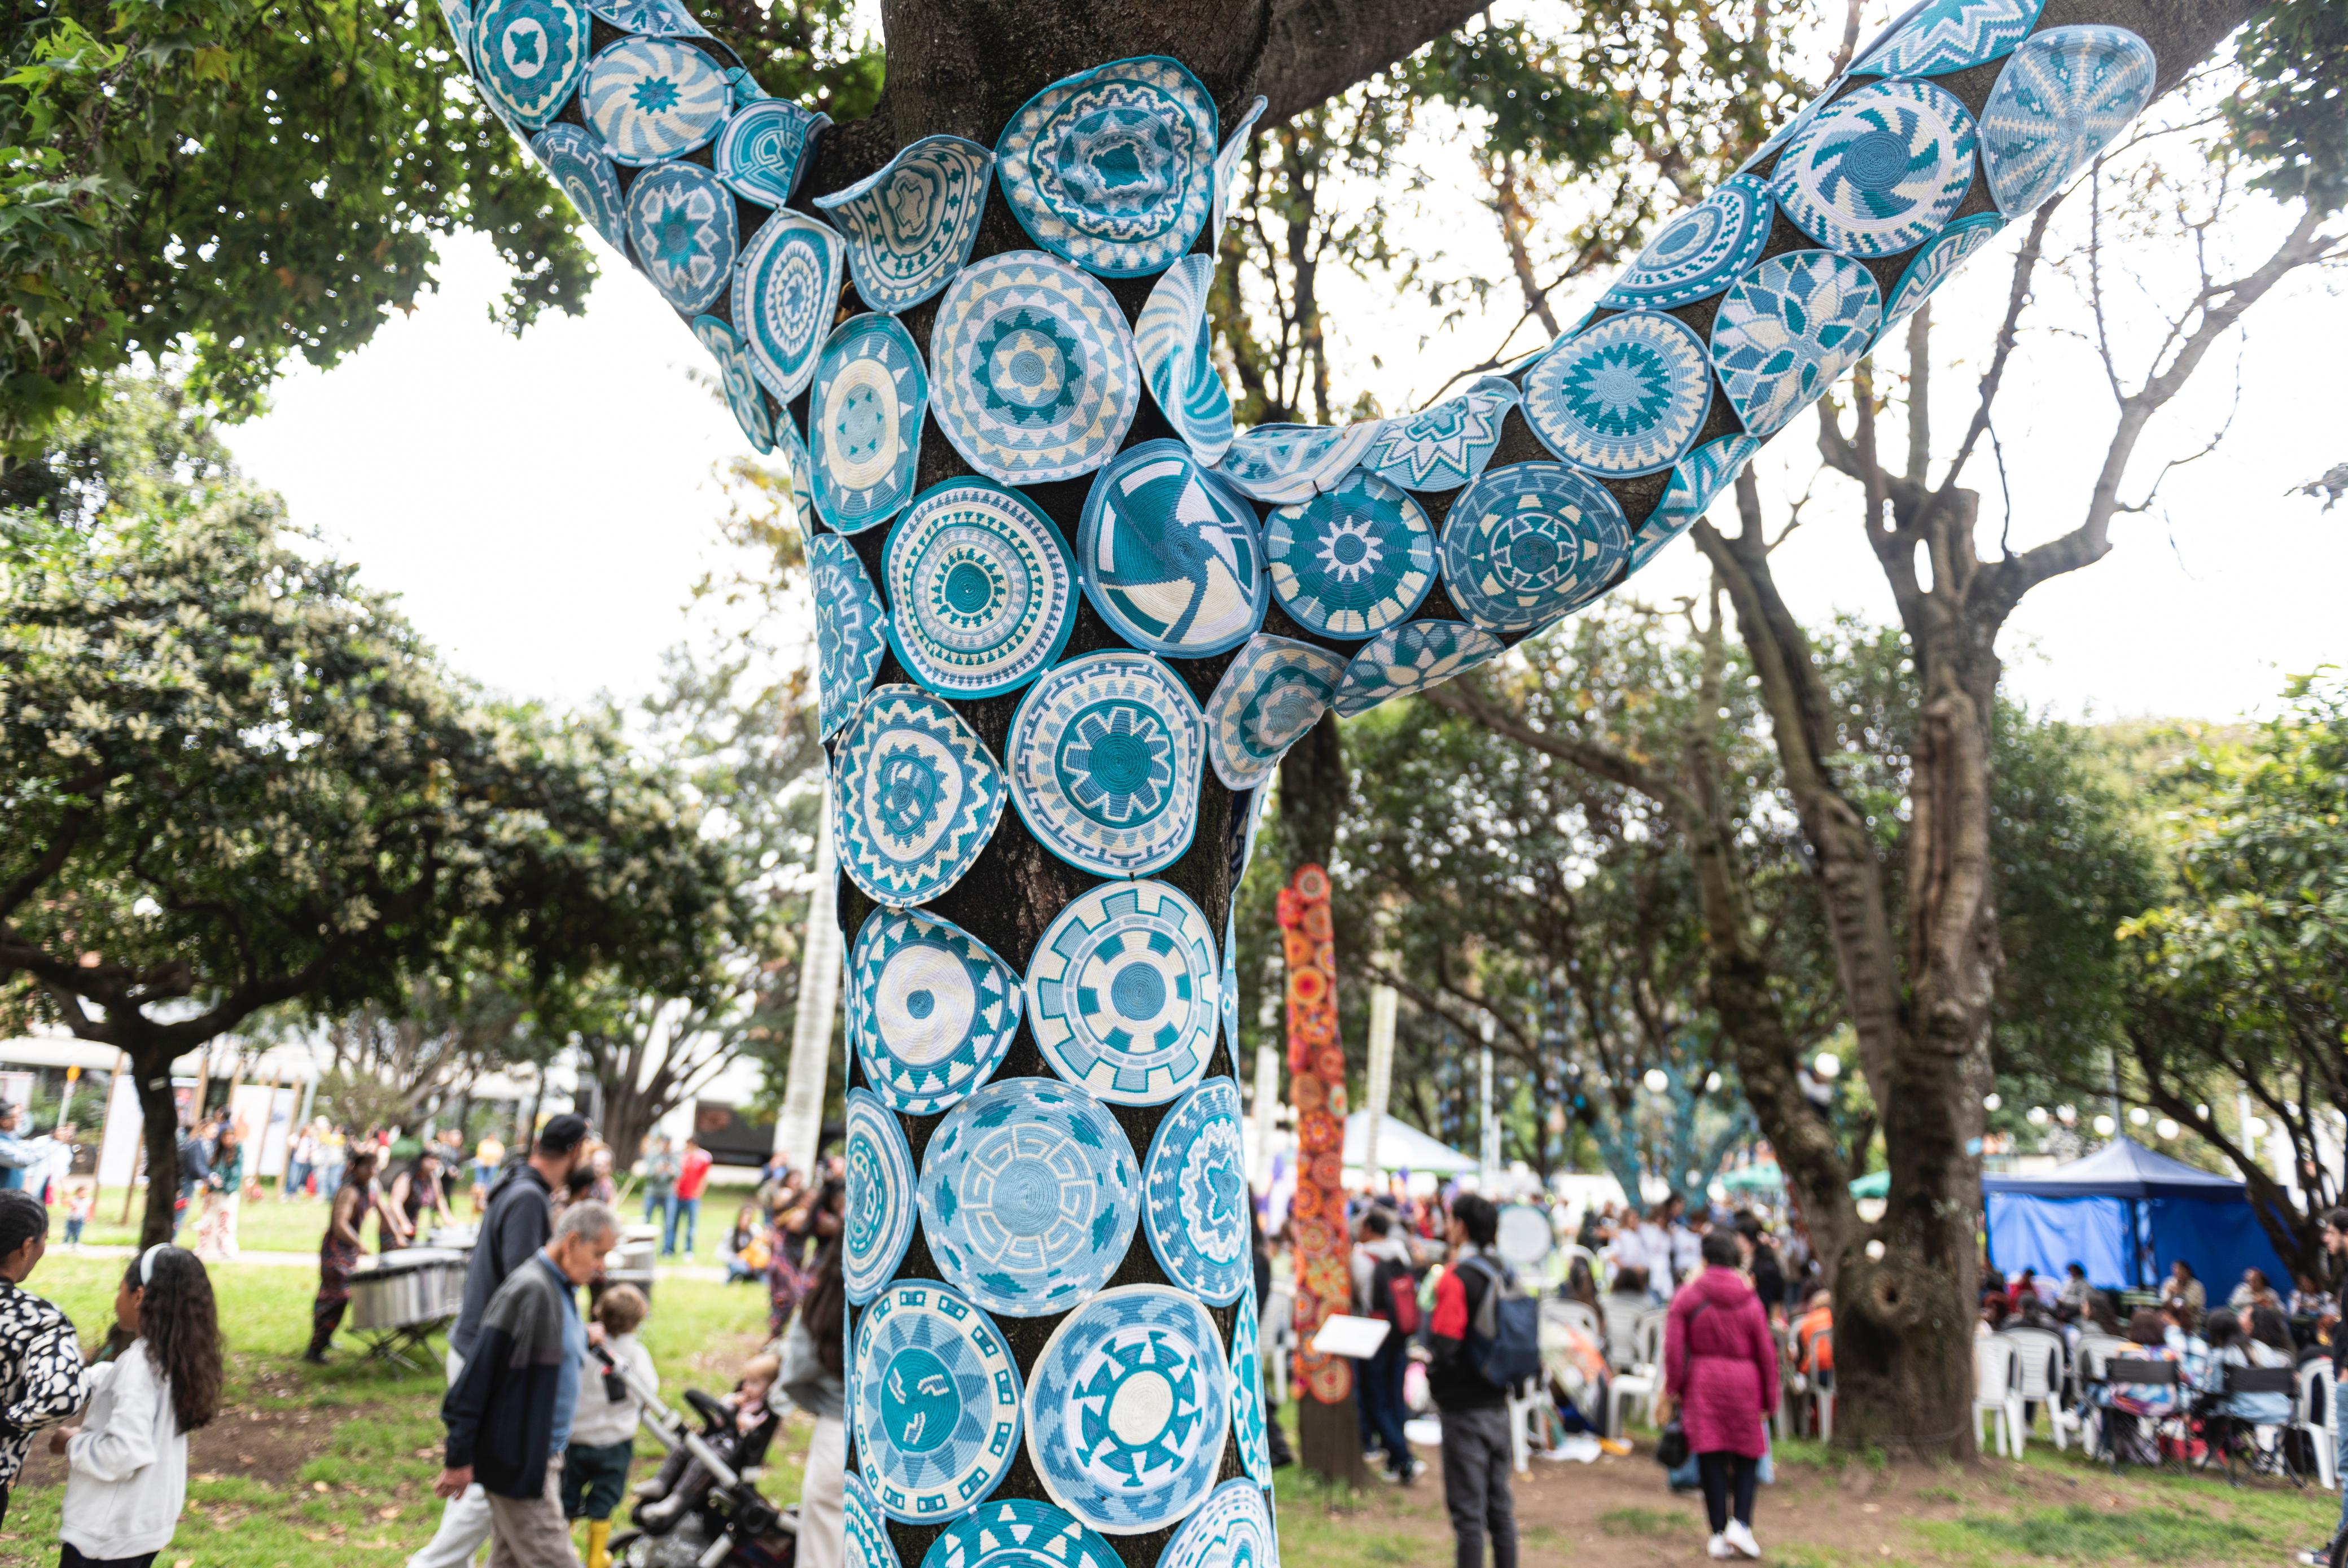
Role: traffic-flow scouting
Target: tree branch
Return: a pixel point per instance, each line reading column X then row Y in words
column 1318, row 48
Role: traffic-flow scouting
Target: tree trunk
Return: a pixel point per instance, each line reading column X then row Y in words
column 159, row 1132
column 629, row 1116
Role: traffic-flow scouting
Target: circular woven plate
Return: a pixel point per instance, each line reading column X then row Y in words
column 1021, row 1533
column 931, row 1010
column 914, row 797
column 864, row 423
column 785, row 290
column 653, row 99
column 1530, row 542
column 1113, row 168
column 1034, row 369
column 1127, row 1409
column 880, row 1176
column 1105, row 752
column 935, row 1412
column 1124, row 990
column 1356, row 558
column 1625, row 397
column 1029, row 1195
column 1170, row 555
column 985, row 589
column 1195, row 1190
column 910, row 226
column 1233, row 1527
column 683, row 231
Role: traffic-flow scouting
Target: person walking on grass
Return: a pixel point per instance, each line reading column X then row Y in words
column 40, row 1359
column 518, row 1223
column 509, row 1414
column 1720, row 1372
column 126, row 1462
column 1477, row 1453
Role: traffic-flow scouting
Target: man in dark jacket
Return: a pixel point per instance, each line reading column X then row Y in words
column 516, row 1225
column 509, row 1415
column 1475, row 1410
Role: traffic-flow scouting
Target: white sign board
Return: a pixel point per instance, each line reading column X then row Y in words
column 1358, row 1337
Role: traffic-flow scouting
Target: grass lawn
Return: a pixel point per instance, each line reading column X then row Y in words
column 1833, row 1511
column 331, row 1468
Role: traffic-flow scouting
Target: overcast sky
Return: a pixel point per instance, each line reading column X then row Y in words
column 543, row 503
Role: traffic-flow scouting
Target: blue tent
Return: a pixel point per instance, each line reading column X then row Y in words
column 2127, row 1213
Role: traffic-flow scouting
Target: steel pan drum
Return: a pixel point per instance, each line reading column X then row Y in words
column 419, row 1284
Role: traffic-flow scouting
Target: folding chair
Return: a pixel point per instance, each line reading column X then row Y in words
column 2038, row 1378
column 1993, row 1379
column 2125, row 1372
column 2256, row 1380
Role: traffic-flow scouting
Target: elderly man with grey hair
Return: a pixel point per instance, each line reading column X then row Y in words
column 508, row 1415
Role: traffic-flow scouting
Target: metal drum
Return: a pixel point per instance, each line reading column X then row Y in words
column 634, row 1259
column 404, row 1289
column 453, row 1238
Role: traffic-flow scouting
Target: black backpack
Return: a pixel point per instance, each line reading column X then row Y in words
column 1504, row 1332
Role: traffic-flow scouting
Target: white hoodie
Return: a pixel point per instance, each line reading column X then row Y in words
column 128, row 1465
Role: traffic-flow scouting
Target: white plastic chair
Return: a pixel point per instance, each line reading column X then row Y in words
column 1584, row 1319
column 2038, row 1379
column 1276, row 1336
column 1524, row 1417
column 1821, row 1391
column 1619, row 1317
column 1644, row 1380
column 1994, row 1373
column 2319, row 1418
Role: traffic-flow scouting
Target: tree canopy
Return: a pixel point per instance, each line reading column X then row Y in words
column 240, row 180
column 236, row 778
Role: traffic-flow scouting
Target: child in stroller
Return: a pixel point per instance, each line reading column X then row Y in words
column 740, row 1439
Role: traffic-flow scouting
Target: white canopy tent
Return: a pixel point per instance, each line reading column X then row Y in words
column 1401, row 1146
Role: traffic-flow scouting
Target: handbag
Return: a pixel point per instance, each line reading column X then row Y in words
column 1672, row 1447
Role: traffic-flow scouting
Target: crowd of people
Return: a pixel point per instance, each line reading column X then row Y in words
column 2197, row 1411
column 1427, row 1266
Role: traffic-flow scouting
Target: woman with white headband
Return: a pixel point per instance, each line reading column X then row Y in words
column 128, row 1461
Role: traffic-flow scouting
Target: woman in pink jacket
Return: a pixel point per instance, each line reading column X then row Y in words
column 1720, row 1371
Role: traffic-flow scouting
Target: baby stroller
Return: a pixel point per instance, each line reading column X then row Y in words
column 733, row 1523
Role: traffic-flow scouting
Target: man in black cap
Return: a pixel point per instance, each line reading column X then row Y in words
column 519, row 1223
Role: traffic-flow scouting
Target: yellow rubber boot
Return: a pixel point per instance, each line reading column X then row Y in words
column 599, row 1543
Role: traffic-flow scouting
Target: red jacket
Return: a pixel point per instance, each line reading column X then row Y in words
column 694, row 1173
column 1721, row 1372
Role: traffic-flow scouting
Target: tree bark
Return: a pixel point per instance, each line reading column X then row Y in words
column 158, row 1133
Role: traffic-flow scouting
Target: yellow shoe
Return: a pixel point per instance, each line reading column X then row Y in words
column 599, row 1543
column 1614, row 1446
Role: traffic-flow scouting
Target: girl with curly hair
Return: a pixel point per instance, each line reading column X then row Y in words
column 128, row 1461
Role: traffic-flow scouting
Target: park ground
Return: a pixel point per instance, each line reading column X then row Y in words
column 309, row 1467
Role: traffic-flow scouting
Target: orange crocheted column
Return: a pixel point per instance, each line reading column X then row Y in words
column 1328, row 1435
